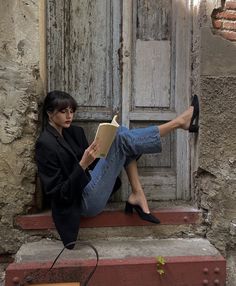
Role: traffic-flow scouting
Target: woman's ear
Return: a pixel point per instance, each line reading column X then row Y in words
column 49, row 113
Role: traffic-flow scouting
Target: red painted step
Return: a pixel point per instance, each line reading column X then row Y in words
column 179, row 271
column 114, row 218
column 188, row 262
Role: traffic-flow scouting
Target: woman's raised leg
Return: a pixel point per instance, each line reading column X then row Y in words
column 128, row 143
column 137, row 196
column 182, row 121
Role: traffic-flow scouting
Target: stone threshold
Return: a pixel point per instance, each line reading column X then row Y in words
column 115, row 218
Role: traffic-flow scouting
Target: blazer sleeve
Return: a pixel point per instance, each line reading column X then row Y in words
column 64, row 188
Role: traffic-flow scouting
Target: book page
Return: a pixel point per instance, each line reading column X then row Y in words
column 114, row 121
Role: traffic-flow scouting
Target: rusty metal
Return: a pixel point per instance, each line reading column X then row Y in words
column 16, row 280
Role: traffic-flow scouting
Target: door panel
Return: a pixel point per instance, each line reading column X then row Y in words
column 90, row 42
column 153, row 19
column 83, row 43
column 153, row 52
column 152, row 74
column 151, row 91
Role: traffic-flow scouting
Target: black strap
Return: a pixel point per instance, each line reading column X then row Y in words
column 29, row 279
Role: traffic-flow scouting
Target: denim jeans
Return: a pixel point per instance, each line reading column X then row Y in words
column 127, row 146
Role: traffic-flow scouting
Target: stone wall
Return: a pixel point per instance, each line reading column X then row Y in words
column 20, row 90
column 216, row 176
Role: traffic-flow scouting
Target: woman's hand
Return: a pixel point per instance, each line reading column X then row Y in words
column 90, row 154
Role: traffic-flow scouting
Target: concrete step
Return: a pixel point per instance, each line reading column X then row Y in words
column 114, row 218
column 189, row 262
column 176, row 221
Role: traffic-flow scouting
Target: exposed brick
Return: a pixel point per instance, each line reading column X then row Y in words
column 229, row 25
column 228, row 35
column 217, row 24
column 230, row 5
column 229, row 15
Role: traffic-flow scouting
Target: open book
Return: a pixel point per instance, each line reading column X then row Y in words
column 105, row 134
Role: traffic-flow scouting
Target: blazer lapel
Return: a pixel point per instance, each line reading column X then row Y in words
column 61, row 140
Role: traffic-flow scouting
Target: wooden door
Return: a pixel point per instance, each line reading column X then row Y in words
column 131, row 56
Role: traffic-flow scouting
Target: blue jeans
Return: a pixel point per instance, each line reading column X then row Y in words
column 127, row 146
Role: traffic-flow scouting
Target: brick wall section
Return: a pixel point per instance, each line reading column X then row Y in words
column 230, row 5
column 224, row 20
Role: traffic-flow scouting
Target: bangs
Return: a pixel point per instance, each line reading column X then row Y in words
column 58, row 100
column 64, row 103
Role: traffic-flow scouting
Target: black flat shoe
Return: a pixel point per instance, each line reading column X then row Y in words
column 193, row 127
column 148, row 217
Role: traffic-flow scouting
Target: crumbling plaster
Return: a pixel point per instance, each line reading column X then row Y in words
column 20, row 91
column 214, row 80
column 216, row 177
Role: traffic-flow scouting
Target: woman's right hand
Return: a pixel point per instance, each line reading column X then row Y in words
column 90, row 154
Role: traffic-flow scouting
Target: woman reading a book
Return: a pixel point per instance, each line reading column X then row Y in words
column 77, row 183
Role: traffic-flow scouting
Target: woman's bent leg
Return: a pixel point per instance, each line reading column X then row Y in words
column 128, row 143
column 137, row 196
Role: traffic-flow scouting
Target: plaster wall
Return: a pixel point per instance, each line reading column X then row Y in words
column 216, row 175
column 20, row 90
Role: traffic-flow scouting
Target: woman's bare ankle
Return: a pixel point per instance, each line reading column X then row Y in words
column 138, row 197
column 184, row 119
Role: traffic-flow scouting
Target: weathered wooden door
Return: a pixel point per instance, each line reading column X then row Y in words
column 131, row 56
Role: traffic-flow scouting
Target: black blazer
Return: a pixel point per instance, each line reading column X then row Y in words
column 62, row 178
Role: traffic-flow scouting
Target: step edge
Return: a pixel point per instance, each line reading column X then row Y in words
column 176, row 216
column 114, row 261
column 215, row 265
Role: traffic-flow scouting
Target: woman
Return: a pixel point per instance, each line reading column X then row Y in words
column 77, row 183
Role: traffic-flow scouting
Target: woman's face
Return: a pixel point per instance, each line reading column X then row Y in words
column 61, row 118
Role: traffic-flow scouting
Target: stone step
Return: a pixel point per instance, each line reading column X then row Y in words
column 122, row 261
column 114, row 218
column 176, row 221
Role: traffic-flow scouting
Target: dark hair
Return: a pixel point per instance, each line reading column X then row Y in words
column 57, row 100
